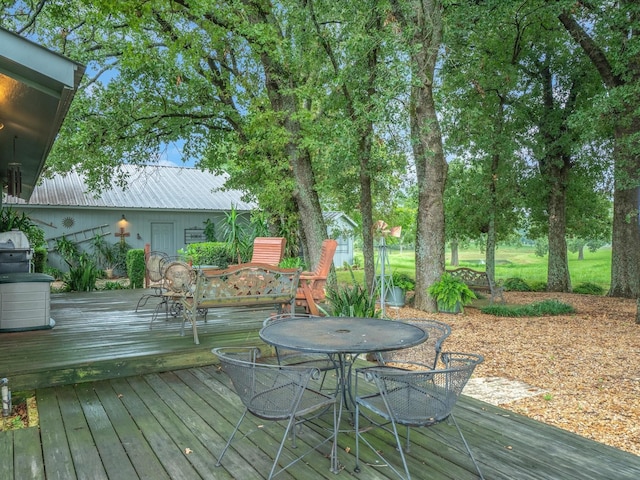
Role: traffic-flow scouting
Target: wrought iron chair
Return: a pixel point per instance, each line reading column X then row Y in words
column 414, row 398
column 277, row 393
column 154, row 278
column 285, row 356
column 429, row 350
column 177, row 278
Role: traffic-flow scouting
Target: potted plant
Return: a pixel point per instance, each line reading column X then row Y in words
column 451, row 294
column 402, row 283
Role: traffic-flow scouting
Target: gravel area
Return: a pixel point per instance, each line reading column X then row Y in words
column 579, row 372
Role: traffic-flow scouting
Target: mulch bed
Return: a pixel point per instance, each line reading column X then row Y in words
column 587, row 363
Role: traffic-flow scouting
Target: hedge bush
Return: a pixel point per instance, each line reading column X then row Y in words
column 208, row 253
column 135, row 267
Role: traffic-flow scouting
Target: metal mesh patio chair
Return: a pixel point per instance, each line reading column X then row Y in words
column 277, row 393
column 414, row 398
column 286, row 356
column 154, row 278
column 425, row 355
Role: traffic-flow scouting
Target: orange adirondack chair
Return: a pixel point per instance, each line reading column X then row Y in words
column 268, row 250
column 312, row 284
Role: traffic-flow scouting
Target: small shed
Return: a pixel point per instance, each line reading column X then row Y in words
column 341, row 227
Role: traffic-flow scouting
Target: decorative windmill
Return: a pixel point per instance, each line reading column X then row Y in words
column 383, row 281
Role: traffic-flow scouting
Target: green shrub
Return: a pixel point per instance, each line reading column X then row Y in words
column 537, row 309
column 515, row 284
column 350, row 301
column 135, row 267
column 208, row 253
column 39, row 259
column 538, row 286
column 113, row 286
column 404, row 281
column 589, row 288
column 450, row 291
column 82, row 275
column 292, row 262
column 54, row 272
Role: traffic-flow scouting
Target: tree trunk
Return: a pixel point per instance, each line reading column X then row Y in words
column 558, row 279
column 625, row 244
column 455, row 261
column 425, row 21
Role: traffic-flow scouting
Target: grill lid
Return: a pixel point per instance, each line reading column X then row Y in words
column 14, row 240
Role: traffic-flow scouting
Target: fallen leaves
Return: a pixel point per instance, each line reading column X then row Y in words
column 588, row 362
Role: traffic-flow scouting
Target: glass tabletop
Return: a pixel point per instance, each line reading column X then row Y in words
column 342, row 334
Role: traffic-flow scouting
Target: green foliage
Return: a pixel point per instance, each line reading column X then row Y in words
column 39, row 259
column 515, row 284
column 83, row 274
column 208, row 253
column 292, row 262
column 350, row 300
column 403, row 281
column 235, row 235
column 537, row 309
column 113, row 286
column 589, row 288
column 68, row 251
column 135, row 267
column 54, row 272
column 538, row 286
column 109, row 256
column 209, row 230
column 542, row 247
column 12, row 220
column 449, row 291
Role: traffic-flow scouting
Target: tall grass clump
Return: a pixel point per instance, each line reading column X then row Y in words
column 350, row 300
column 589, row 288
column 537, row 309
column 516, row 284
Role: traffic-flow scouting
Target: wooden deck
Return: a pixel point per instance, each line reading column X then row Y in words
column 152, row 405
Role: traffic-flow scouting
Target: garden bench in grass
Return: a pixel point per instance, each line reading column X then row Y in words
column 247, row 284
column 478, row 281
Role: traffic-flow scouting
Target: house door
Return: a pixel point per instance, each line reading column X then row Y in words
column 163, row 238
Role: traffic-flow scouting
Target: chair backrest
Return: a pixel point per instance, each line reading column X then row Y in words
column 427, row 353
column 268, row 250
column 178, row 277
column 153, row 264
column 424, row 397
column 269, row 391
column 327, row 252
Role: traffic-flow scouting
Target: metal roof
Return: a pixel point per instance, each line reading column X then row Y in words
column 36, row 89
column 149, row 187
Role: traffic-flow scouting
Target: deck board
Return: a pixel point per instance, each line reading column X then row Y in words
column 117, row 400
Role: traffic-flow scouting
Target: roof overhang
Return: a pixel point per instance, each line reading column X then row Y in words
column 36, row 89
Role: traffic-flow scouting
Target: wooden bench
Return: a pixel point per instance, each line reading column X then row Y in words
column 248, row 284
column 478, row 281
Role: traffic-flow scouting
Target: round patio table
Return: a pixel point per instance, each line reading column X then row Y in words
column 342, row 335
column 343, row 338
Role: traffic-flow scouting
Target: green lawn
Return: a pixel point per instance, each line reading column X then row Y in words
column 513, row 262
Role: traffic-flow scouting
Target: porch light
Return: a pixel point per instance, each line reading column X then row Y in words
column 122, row 224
